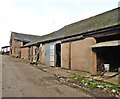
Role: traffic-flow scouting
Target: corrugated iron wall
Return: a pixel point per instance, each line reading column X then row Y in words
column 47, row 54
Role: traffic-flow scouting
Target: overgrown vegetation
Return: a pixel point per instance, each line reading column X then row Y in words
column 112, row 90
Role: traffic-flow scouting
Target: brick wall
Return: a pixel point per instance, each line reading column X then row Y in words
column 42, row 54
column 65, row 55
column 81, row 55
column 15, row 48
column 31, row 54
column 25, row 53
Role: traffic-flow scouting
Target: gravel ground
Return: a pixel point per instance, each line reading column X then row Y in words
column 22, row 80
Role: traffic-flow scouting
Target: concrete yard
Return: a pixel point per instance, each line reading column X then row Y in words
column 20, row 79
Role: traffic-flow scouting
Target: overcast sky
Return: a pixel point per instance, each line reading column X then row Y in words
column 40, row 17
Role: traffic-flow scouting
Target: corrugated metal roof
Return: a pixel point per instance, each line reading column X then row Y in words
column 107, row 19
column 107, row 44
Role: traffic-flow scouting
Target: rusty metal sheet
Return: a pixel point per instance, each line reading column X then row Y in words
column 107, row 44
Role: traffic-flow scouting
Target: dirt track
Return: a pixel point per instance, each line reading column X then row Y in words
column 22, row 80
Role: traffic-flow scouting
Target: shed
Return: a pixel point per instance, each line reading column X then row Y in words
column 19, row 39
column 70, row 46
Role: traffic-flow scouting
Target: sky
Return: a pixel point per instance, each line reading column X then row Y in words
column 40, row 17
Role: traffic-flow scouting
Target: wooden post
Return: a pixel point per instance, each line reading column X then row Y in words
column 94, row 62
column 69, row 55
column 118, row 75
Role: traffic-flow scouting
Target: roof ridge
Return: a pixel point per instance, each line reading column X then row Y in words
column 91, row 17
column 25, row 34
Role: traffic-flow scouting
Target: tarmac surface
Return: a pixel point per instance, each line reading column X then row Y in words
column 20, row 79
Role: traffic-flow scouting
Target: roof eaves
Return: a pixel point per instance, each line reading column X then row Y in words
column 94, row 23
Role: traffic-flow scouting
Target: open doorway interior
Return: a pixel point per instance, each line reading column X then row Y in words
column 109, row 55
column 58, row 55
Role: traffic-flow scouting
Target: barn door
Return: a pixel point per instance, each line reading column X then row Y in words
column 52, row 54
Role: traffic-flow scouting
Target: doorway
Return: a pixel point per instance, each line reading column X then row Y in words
column 58, row 55
column 109, row 55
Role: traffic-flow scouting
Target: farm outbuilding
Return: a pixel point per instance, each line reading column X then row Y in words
column 82, row 45
column 17, row 40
